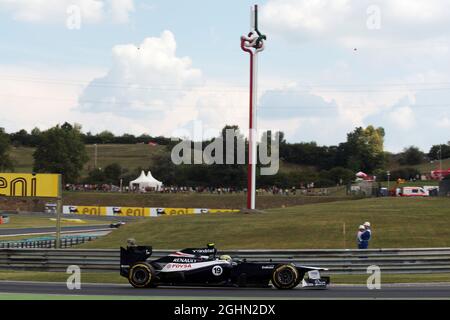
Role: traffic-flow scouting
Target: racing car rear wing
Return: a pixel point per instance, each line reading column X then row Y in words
column 206, row 252
column 134, row 254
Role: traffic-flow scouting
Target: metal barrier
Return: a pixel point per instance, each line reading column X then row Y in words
column 424, row 260
column 66, row 242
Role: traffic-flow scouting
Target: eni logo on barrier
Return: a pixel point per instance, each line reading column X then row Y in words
column 30, row 185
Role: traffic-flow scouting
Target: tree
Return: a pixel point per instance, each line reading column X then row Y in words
column 106, row 137
column 435, row 150
column 23, row 138
column 230, row 175
column 96, row 176
column 61, row 150
column 411, row 156
column 112, row 173
column 5, row 145
column 35, row 137
column 339, row 175
column 125, row 139
column 404, row 173
column 20, row 138
column 163, row 169
column 364, row 149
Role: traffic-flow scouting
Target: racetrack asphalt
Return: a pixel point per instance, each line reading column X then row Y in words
column 48, row 230
column 391, row 291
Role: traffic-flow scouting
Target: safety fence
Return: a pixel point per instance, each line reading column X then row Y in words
column 338, row 261
column 66, row 242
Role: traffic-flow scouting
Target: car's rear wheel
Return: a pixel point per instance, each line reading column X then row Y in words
column 285, row 276
column 142, row 275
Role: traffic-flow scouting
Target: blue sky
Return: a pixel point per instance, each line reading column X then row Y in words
column 156, row 66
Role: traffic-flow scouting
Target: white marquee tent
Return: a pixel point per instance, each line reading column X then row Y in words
column 145, row 181
column 154, row 183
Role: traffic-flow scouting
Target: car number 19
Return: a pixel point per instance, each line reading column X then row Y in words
column 217, row 270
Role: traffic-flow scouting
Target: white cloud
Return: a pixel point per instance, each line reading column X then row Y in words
column 150, row 84
column 430, row 11
column 444, row 122
column 143, row 78
column 303, row 18
column 41, row 96
column 147, row 89
column 28, row 100
column 120, row 10
column 346, row 21
column 411, row 47
column 357, row 106
column 51, row 11
column 403, row 118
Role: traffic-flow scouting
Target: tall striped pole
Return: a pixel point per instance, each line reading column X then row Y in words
column 253, row 43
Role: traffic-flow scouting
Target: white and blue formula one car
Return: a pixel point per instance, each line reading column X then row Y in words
column 201, row 267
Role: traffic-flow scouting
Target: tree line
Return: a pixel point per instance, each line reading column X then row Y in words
column 34, row 138
column 61, row 149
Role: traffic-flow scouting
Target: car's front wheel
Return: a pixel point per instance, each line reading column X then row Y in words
column 142, row 275
column 285, row 276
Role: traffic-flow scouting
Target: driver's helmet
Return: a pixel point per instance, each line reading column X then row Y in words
column 225, row 257
column 131, row 243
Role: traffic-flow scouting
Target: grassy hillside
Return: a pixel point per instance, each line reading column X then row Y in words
column 129, row 156
column 425, row 167
column 190, row 200
column 397, row 222
column 132, row 156
column 23, row 158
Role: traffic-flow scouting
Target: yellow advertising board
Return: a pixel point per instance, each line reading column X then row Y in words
column 176, row 211
column 30, row 185
column 128, row 211
column 139, row 211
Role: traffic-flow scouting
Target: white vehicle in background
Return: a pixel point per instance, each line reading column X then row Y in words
column 413, row 192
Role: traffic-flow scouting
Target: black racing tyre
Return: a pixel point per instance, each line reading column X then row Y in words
column 285, row 276
column 141, row 275
column 299, row 278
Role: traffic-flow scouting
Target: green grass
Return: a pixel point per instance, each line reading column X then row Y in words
column 74, row 296
column 23, row 158
column 391, row 278
column 129, row 156
column 30, row 296
column 114, row 277
column 419, row 183
column 190, row 200
column 87, row 277
column 27, row 237
column 397, row 222
column 19, row 221
column 425, row 167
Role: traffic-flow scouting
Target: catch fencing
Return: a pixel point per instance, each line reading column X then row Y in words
column 66, row 242
column 338, row 261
